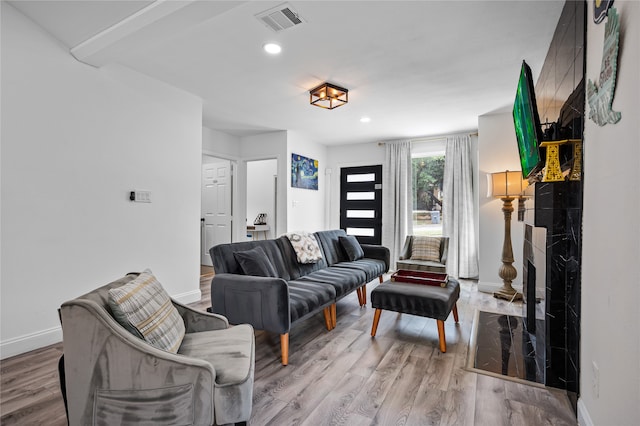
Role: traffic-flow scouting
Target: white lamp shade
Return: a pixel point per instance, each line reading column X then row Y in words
column 506, row 184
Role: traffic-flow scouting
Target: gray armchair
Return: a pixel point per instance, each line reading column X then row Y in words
column 113, row 377
column 405, row 261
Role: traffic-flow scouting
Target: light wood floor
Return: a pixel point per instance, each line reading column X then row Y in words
column 341, row 377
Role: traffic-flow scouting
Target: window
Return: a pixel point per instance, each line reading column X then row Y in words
column 428, row 173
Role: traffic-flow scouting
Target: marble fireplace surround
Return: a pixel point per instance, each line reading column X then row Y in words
column 551, row 263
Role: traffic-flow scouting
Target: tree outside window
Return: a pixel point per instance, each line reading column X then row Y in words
column 428, row 174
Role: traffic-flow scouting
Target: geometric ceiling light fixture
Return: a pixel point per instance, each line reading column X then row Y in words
column 328, row 96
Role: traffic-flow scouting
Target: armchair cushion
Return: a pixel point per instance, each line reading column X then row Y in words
column 351, row 247
column 426, row 248
column 144, row 308
column 255, row 262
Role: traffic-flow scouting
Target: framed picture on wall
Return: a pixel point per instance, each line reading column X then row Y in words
column 304, row 172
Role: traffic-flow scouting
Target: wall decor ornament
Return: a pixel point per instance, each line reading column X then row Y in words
column 304, row 172
column 600, row 96
column 600, row 9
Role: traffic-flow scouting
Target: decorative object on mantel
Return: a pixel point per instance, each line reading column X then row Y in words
column 328, row 96
column 552, row 170
column 600, row 96
column 506, row 186
column 600, row 9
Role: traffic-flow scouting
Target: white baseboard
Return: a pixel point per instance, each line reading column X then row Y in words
column 584, row 419
column 39, row 339
column 188, row 297
column 29, row 342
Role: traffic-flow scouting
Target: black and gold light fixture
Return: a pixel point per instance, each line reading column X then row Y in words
column 328, row 96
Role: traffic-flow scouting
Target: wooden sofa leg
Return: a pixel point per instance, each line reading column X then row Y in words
column 359, row 293
column 334, row 319
column 327, row 318
column 363, row 290
column 284, row 348
column 441, row 337
column 455, row 312
column 376, row 318
column 380, row 278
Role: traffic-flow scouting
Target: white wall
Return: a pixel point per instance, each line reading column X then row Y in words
column 306, row 207
column 75, row 141
column 220, row 144
column 260, row 192
column 354, row 155
column 271, row 145
column 497, row 151
column 610, row 317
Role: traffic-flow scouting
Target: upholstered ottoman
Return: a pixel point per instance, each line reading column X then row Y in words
column 417, row 299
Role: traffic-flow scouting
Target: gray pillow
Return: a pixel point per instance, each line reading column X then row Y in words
column 351, row 247
column 255, row 262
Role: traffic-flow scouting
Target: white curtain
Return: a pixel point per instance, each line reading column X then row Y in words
column 396, row 197
column 458, row 209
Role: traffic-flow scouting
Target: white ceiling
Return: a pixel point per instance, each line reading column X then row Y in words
column 417, row 68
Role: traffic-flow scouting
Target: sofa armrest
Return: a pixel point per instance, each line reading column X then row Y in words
column 195, row 320
column 262, row 302
column 405, row 253
column 377, row 252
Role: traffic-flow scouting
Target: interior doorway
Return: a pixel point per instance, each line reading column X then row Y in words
column 262, row 187
column 216, row 219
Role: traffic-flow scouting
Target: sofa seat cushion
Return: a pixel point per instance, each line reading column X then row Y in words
column 344, row 280
column 372, row 268
column 421, row 265
column 306, row 297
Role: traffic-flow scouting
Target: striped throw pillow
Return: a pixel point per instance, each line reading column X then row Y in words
column 143, row 307
column 426, row 248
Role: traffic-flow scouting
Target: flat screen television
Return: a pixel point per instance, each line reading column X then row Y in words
column 527, row 124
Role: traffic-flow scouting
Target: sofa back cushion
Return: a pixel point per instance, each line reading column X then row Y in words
column 255, row 262
column 331, row 247
column 351, row 247
column 296, row 269
column 225, row 262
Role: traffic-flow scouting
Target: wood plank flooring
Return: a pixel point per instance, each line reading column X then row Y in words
column 341, row 377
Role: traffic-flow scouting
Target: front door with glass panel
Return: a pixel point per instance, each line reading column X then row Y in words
column 361, row 203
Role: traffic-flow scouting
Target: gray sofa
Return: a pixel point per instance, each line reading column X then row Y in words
column 109, row 376
column 298, row 291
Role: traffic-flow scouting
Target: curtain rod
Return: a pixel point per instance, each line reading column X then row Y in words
column 433, row 138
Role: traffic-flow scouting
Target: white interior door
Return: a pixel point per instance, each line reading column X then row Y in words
column 216, row 216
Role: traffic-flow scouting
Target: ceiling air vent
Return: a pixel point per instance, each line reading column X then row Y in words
column 280, row 17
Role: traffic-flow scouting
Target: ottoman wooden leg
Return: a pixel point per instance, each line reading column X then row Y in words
column 455, row 312
column 376, row 318
column 443, row 342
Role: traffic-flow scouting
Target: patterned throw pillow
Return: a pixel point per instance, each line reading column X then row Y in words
column 144, row 308
column 306, row 247
column 426, row 248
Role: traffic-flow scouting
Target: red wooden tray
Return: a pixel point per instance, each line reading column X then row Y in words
column 420, row 277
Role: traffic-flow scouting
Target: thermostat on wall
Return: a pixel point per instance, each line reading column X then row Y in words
column 140, row 196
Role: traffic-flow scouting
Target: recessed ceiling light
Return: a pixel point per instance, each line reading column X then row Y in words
column 272, row 48
column 365, row 119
